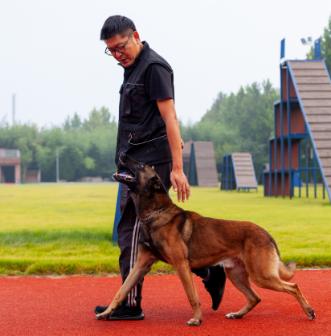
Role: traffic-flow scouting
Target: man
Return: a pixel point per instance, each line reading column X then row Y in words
column 148, row 131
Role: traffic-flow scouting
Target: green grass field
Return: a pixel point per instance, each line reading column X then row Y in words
column 67, row 228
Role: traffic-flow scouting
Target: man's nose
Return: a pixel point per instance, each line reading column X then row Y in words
column 117, row 54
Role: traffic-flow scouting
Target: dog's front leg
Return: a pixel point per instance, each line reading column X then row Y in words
column 184, row 272
column 144, row 262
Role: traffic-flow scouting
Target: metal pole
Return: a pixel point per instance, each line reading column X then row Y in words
column 13, row 108
column 314, row 175
column 270, row 167
column 282, row 167
column 57, row 166
column 299, row 167
column 276, row 189
column 227, row 174
column 307, row 167
column 289, row 131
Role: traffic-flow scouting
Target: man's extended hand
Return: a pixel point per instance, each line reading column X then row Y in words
column 180, row 184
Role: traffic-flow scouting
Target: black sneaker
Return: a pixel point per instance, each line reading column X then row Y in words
column 215, row 285
column 123, row 312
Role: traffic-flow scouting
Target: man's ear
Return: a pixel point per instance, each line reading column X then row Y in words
column 136, row 36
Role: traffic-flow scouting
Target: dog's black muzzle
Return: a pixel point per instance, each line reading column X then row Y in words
column 127, row 170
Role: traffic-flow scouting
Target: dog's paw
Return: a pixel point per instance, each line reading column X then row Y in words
column 99, row 317
column 193, row 322
column 311, row 314
column 233, row 316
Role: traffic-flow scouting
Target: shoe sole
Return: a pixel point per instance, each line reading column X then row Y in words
column 122, row 318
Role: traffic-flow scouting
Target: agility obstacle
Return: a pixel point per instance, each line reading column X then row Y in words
column 238, row 172
column 200, row 163
column 300, row 152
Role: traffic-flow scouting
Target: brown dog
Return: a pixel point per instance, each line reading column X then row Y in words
column 187, row 240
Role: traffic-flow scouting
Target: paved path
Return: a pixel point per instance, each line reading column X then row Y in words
column 64, row 306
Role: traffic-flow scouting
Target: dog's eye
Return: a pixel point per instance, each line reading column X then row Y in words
column 141, row 166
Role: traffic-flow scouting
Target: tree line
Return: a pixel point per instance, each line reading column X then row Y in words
column 85, row 147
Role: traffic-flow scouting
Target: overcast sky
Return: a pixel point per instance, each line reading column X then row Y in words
column 52, row 59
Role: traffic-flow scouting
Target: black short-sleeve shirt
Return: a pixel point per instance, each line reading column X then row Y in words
column 159, row 83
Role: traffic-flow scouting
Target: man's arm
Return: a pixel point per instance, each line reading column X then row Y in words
column 177, row 176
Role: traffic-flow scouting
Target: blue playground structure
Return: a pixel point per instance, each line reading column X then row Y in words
column 300, row 152
column 117, row 213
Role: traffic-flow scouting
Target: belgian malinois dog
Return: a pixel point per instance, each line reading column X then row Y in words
column 187, row 240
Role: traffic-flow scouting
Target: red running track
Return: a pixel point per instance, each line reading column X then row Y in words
column 64, row 306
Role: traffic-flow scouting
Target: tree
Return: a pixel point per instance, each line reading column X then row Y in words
column 98, row 118
column 72, row 162
column 241, row 121
column 73, row 123
column 325, row 46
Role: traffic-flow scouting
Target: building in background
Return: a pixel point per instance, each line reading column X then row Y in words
column 10, row 166
column 32, row 175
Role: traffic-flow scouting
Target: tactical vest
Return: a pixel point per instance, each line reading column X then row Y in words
column 141, row 129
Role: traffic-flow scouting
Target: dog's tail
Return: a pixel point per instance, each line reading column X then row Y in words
column 286, row 272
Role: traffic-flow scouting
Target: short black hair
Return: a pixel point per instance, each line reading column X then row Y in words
column 116, row 24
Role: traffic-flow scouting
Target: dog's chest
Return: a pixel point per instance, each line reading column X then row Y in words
column 146, row 239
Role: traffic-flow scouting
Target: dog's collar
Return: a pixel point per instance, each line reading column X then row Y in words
column 151, row 216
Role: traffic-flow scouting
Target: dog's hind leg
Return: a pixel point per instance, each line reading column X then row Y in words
column 142, row 266
column 277, row 284
column 239, row 277
column 266, row 274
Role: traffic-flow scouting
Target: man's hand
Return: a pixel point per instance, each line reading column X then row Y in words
column 180, row 184
column 177, row 176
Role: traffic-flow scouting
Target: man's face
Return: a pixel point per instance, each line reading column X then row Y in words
column 124, row 47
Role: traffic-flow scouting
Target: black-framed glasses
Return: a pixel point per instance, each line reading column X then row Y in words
column 119, row 49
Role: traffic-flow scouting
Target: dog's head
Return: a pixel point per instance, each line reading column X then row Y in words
column 139, row 177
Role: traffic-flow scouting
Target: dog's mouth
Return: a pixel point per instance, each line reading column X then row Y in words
column 124, row 177
column 127, row 171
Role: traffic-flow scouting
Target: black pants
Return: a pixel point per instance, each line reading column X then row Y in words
column 128, row 235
